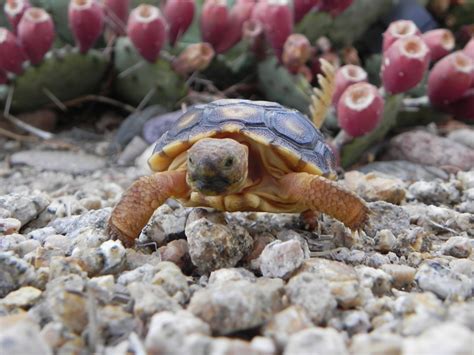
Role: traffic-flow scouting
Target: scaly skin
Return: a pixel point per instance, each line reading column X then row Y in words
column 323, row 195
column 139, row 202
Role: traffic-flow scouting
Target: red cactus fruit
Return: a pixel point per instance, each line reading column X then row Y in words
column 302, row 7
column 179, row 15
column 404, row 64
column 464, row 107
column 296, row 52
column 239, row 13
column 86, row 19
column 214, row 21
column 335, row 7
column 11, row 53
column 147, row 30
column 398, row 29
column 450, row 78
column 360, row 109
column 259, row 11
column 14, row 10
column 116, row 11
column 278, row 24
column 440, row 42
column 36, row 33
column 346, row 76
column 195, row 57
column 3, row 77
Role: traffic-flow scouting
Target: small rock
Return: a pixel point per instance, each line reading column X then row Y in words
column 313, row 293
column 24, row 208
column 435, row 192
column 224, row 346
column 69, row 308
column 402, row 275
column 355, row 322
column 176, row 251
column 464, row 136
column 93, row 221
column 376, row 186
column 55, row 334
column 167, row 331
column 459, row 247
column 113, row 254
column 228, row 275
column 376, row 343
column 22, row 298
column 374, row 279
column 316, row 341
column 167, row 223
column 426, row 148
column 69, row 162
column 57, row 241
column 21, row 335
column 245, row 304
column 285, row 323
column 170, row 277
column 14, row 273
column 466, row 178
column 385, row 241
column 462, row 313
column 150, row 299
column 439, row 279
column 281, row 259
column 387, row 216
column 41, row 234
column 9, row 226
column 114, row 323
column 144, row 273
column 434, row 340
column 259, row 243
column 133, row 149
column 405, row 170
column 263, row 346
column 213, row 246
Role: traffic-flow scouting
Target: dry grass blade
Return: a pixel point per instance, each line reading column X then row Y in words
column 322, row 96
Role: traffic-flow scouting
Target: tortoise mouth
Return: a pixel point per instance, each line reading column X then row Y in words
column 211, row 186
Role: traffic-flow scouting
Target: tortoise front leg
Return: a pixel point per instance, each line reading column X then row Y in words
column 139, row 202
column 323, row 195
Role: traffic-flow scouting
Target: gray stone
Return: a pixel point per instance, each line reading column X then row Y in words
column 173, row 281
column 73, row 226
column 22, row 298
column 237, row 305
column 385, row 241
column 405, row 170
column 313, row 293
column 447, row 338
column 462, row 313
column 25, row 208
column 68, row 308
column 376, row 343
column 402, row 275
column 355, row 322
column 228, row 275
column 439, row 279
column 113, row 254
column 263, row 346
column 466, row 178
column 459, row 247
column 387, row 216
column 213, row 246
column 167, row 331
column 285, row 323
column 14, row 273
column 19, row 335
column 70, row 162
column 9, row 226
column 114, row 323
column 464, row 136
column 316, row 341
column 435, row 192
column 281, row 259
column 374, row 279
column 143, row 273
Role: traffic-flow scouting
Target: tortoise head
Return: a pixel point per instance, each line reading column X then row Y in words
column 217, row 166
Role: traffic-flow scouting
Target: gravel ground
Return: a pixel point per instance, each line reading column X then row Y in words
column 203, row 282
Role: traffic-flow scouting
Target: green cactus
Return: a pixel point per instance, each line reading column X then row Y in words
column 64, row 74
column 352, row 151
column 349, row 26
column 281, row 86
column 58, row 10
column 138, row 79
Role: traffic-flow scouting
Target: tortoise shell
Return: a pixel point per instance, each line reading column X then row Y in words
column 287, row 132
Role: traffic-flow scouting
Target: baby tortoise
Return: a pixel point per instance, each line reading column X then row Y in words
column 239, row 155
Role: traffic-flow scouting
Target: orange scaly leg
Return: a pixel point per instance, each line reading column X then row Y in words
column 323, row 195
column 139, row 202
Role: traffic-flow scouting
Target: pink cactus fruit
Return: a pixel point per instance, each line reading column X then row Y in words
column 296, row 52
column 239, row 13
column 14, row 10
column 3, row 77
column 214, row 21
column 252, row 33
column 398, row 29
column 464, row 107
column 36, row 33
column 11, row 53
column 302, row 7
column 440, row 42
column 346, row 76
column 86, row 19
column 450, row 78
column 404, row 64
column 335, row 7
column 278, row 24
column 147, row 30
column 469, row 50
column 116, row 12
column 360, row 109
column 195, row 57
column 179, row 15
column 259, row 11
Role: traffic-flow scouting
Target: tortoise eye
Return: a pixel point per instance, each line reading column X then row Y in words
column 229, row 162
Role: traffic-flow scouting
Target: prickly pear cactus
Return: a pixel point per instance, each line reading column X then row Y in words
column 137, row 80
column 281, row 86
column 349, row 26
column 64, row 74
column 58, row 9
column 352, row 151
